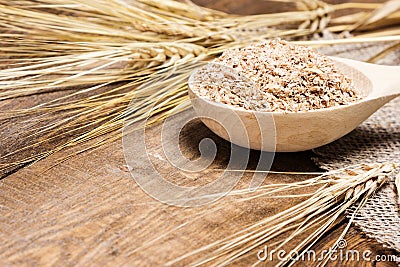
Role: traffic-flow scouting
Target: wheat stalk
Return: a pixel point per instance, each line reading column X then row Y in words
column 115, row 51
column 338, row 190
column 108, row 49
column 384, row 53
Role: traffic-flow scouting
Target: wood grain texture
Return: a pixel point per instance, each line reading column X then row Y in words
column 88, row 211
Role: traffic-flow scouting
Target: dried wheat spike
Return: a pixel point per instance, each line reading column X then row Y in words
column 339, row 190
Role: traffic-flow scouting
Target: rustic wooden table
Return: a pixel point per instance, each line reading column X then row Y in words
column 88, row 211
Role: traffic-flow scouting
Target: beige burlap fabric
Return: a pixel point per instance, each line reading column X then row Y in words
column 376, row 140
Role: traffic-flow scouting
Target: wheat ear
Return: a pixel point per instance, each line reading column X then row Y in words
column 104, row 50
column 338, row 190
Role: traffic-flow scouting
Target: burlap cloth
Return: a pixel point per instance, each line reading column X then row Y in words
column 376, row 140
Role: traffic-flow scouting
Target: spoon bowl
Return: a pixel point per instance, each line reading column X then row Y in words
column 304, row 130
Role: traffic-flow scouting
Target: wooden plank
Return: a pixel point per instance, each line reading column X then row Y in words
column 89, row 211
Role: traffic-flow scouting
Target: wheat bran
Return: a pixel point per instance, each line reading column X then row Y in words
column 274, row 76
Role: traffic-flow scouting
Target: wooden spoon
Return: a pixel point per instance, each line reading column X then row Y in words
column 299, row 131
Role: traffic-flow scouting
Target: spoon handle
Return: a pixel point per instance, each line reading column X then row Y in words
column 385, row 79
